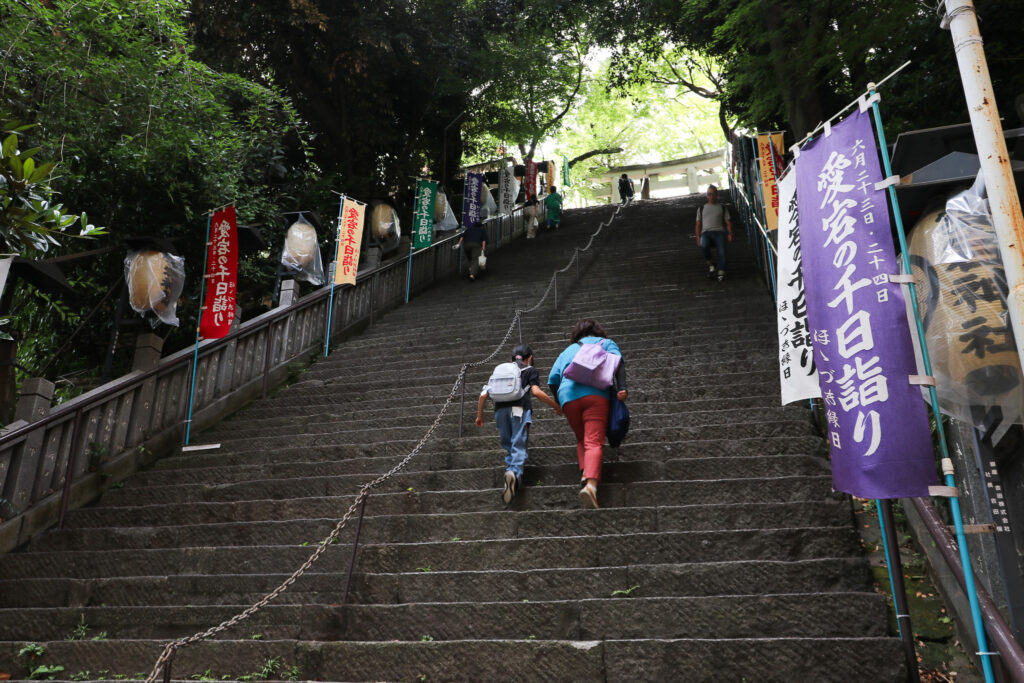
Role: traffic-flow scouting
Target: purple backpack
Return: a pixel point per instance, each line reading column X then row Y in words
column 593, row 366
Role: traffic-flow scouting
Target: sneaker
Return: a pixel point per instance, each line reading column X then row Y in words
column 588, row 497
column 711, row 271
column 721, row 275
column 511, row 484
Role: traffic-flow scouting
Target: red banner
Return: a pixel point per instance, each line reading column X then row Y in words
column 221, row 276
column 531, row 179
column 350, row 237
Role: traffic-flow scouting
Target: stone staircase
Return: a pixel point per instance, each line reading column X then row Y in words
column 719, row 553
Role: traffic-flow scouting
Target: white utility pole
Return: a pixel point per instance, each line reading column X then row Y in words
column 962, row 22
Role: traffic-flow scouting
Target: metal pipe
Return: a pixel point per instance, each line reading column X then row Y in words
column 962, row 21
column 355, row 547
column 1010, row 652
column 899, row 591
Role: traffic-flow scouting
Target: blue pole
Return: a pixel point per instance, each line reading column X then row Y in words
column 195, row 352
column 408, row 275
column 947, row 467
column 764, row 215
column 330, row 298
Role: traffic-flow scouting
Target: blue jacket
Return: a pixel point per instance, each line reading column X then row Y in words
column 567, row 390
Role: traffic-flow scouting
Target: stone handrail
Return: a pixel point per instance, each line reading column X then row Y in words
column 51, row 460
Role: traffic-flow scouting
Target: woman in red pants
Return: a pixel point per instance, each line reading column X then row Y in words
column 586, row 407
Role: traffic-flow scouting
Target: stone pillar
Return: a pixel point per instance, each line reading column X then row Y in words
column 34, row 400
column 691, row 179
column 289, row 293
column 148, row 350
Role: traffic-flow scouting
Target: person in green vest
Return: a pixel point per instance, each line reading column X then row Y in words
column 553, row 203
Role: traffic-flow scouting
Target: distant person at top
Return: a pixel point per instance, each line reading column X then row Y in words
column 474, row 245
column 713, row 228
column 625, row 189
column 553, row 202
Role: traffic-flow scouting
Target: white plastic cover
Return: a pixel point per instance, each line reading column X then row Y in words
column 488, row 207
column 962, row 299
column 155, row 280
column 301, row 253
column 449, row 222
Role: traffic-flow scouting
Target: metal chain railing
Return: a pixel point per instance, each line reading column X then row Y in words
column 163, row 662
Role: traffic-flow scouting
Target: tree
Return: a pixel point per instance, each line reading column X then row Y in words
column 146, row 139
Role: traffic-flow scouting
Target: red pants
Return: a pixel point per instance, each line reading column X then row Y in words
column 588, row 417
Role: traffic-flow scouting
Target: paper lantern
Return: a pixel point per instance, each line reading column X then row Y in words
column 440, row 207
column 383, row 222
column 961, row 294
column 300, row 244
column 155, row 280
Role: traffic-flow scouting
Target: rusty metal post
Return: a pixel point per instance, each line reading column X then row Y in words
column 899, row 589
column 962, row 21
column 69, row 469
column 167, row 668
column 355, row 547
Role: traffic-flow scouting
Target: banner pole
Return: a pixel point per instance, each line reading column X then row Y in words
column 764, row 213
column 334, row 261
column 894, row 564
column 947, row 463
column 199, row 318
column 408, row 274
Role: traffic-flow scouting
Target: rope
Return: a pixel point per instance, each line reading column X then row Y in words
column 175, row 645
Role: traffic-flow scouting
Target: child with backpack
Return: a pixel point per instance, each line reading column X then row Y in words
column 510, row 387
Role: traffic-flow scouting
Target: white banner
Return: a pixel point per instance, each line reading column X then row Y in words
column 508, row 190
column 796, row 355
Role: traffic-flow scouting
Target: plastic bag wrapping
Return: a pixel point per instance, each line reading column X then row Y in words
column 488, row 207
column 449, row 221
column 155, row 280
column 301, row 253
column 961, row 295
column 384, row 226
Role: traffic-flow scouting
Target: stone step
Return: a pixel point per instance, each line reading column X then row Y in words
column 445, row 437
column 642, row 416
column 511, row 585
column 773, row 616
column 618, row 470
column 771, row 660
column 467, row 526
column 469, row 455
column 318, row 498
column 530, row 553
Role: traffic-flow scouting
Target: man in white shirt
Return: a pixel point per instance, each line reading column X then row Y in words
column 713, row 228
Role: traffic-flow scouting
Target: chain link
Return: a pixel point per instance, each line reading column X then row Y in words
column 175, row 645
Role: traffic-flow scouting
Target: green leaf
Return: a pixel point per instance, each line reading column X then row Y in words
column 10, row 145
column 27, row 168
column 42, row 172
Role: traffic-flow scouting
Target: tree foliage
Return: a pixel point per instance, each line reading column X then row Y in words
column 145, row 140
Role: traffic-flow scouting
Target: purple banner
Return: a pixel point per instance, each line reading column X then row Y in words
column 471, row 197
column 877, row 425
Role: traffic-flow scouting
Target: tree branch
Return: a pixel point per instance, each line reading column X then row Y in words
column 592, row 153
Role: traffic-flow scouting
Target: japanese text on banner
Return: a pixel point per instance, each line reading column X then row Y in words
column 877, row 425
column 350, row 239
column 769, row 150
column 798, row 375
column 471, row 196
column 423, row 219
column 221, row 276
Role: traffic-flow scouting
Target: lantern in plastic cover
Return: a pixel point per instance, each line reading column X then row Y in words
column 302, row 252
column 155, row 280
column 384, row 227
column 440, row 207
column 961, row 293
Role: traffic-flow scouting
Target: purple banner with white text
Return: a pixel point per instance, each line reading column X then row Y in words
column 471, row 195
column 877, row 425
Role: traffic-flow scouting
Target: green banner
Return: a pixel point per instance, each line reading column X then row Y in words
column 565, row 171
column 423, row 214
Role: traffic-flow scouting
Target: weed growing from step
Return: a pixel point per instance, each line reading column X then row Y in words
column 625, row 593
column 80, row 631
column 424, row 569
column 256, row 636
column 426, row 639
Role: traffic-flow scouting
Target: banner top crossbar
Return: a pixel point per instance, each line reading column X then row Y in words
column 871, row 86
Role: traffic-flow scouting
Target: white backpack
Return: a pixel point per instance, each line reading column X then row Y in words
column 506, row 382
